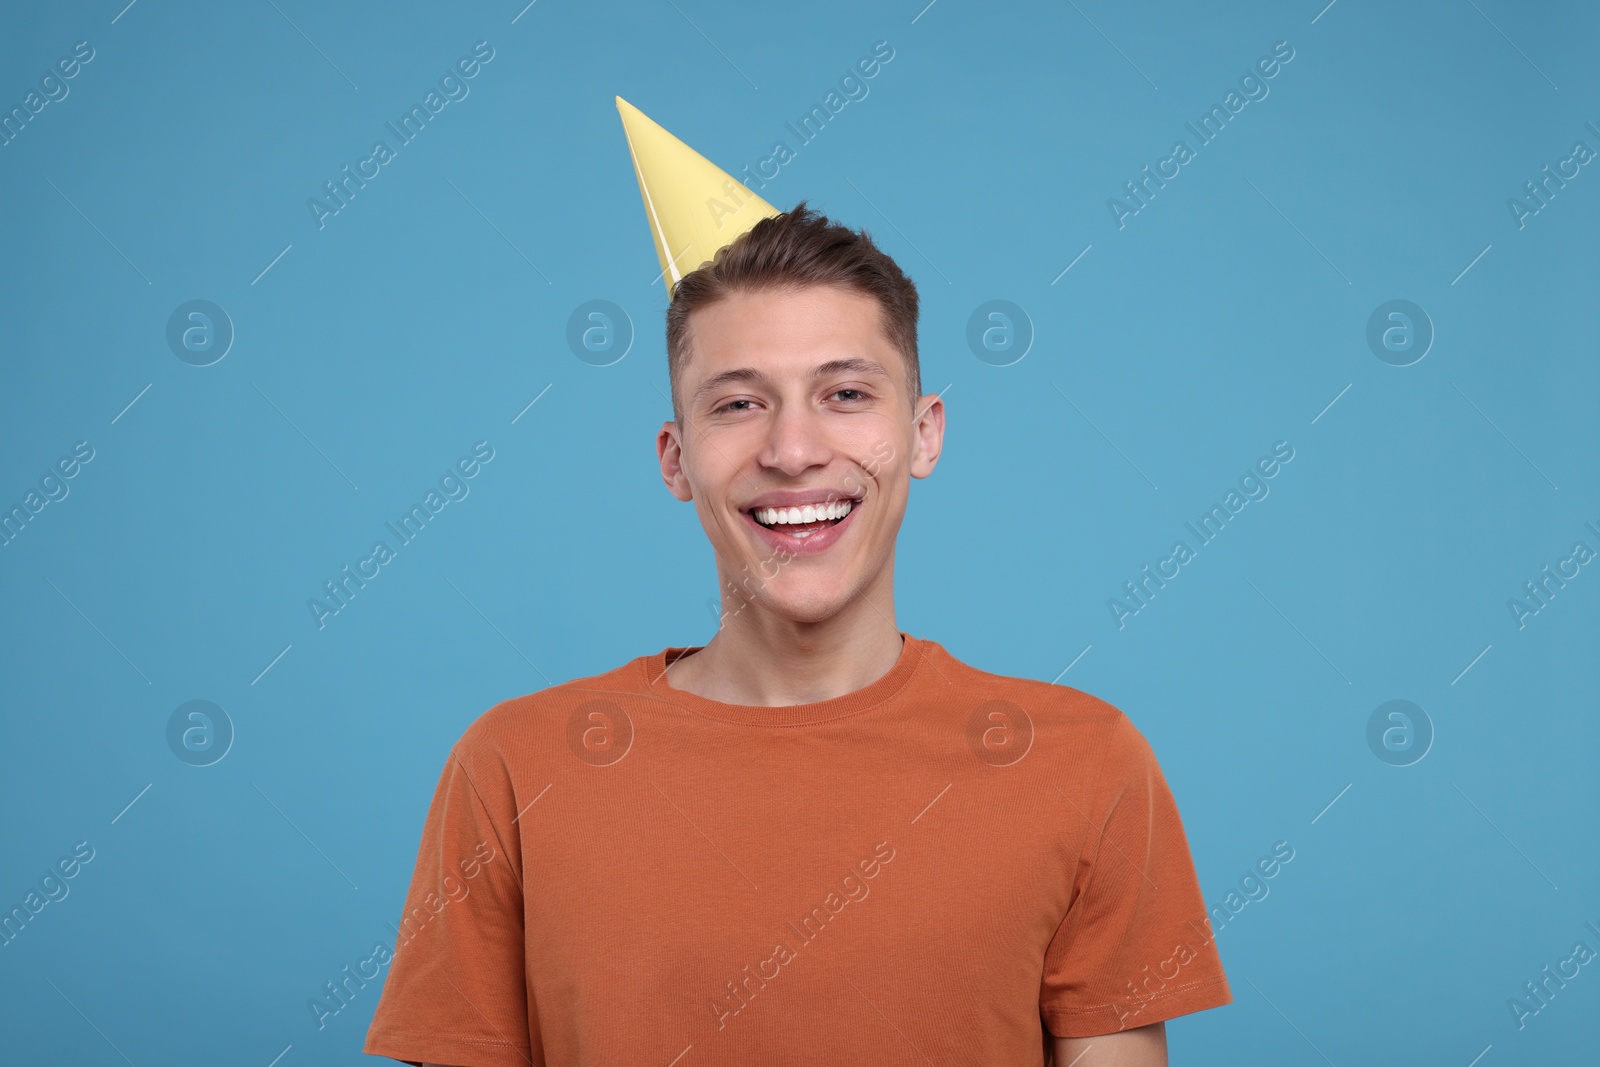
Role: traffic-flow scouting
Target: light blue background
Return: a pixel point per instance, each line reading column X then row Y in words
column 1225, row 316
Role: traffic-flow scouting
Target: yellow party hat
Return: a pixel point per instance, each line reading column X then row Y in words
column 693, row 206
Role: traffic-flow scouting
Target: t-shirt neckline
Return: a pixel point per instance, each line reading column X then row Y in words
column 912, row 650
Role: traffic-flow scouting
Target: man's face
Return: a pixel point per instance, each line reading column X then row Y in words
column 796, row 398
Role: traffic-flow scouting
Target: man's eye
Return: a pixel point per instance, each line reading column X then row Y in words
column 858, row 393
column 729, row 405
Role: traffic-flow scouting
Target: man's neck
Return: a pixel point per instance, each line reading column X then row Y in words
column 760, row 660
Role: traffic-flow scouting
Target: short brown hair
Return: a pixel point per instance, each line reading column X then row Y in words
column 786, row 251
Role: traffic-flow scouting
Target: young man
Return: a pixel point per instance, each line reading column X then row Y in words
column 817, row 839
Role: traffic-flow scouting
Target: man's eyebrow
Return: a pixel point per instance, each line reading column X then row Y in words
column 728, row 377
column 854, row 364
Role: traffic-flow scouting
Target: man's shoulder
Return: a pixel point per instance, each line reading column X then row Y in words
column 515, row 720
column 1033, row 695
column 1062, row 717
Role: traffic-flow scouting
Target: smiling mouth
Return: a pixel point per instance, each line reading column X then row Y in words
column 805, row 520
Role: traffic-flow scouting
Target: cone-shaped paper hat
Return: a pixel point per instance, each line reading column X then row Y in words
column 693, row 206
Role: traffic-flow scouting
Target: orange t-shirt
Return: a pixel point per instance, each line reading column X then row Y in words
column 945, row 866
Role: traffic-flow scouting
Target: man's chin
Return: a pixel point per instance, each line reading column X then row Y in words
column 802, row 602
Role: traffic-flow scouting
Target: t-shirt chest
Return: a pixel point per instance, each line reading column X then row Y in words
column 739, row 882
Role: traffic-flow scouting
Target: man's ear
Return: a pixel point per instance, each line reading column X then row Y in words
column 669, row 449
column 929, row 431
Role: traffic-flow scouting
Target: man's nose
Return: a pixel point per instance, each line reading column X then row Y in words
column 796, row 440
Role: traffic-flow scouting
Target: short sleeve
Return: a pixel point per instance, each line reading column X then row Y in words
column 1135, row 946
column 456, row 992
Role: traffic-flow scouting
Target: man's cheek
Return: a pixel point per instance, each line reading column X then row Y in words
column 883, row 453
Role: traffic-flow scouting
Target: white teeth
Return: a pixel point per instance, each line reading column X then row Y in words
column 803, row 514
